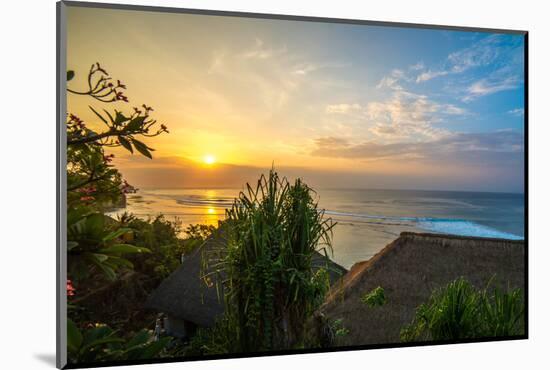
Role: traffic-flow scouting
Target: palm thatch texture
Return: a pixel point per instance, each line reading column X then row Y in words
column 409, row 270
column 184, row 295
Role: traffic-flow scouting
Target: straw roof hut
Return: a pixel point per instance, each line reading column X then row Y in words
column 189, row 303
column 409, row 269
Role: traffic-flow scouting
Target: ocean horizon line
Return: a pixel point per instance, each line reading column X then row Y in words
column 337, row 188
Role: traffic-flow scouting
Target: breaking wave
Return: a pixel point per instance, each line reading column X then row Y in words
column 438, row 225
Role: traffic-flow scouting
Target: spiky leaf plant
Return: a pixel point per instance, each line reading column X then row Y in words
column 265, row 271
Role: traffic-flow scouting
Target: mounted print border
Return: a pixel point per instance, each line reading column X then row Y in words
column 316, row 195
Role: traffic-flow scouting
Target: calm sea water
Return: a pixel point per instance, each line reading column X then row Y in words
column 366, row 219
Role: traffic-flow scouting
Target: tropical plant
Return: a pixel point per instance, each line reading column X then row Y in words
column 90, row 174
column 459, row 311
column 213, row 341
column 101, row 343
column 375, row 297
column 93, row 183
column 161, row 237
column 265, row 271
column 122, row 129
column 503, row 313
column 338, row 328
column 95, row 244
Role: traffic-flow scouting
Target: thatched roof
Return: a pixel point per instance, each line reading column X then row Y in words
column 409, row 269
column 185, row 296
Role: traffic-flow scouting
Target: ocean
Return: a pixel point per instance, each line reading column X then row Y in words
column 367, row 219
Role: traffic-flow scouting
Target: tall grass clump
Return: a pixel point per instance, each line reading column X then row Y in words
column 459, row 311
column 265, row 272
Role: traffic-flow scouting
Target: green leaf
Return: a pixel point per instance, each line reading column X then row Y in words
column 94, row 225
column 125, row 143
column 98, row 332
column 375, row 297
column 142, row 148
column 139, row 339
column 135, row 124
column 74, row 336
column 70, row 75
column 124, row 248
column 154, row 348
column 101, row 261
column 120, row 118
column 71, row 245
column 99, row 115
column 102, row 341
column 98, row 258
column 108, row 271
column 119, row 261
column 109, row 115
column 115, row 234
column 76, row 214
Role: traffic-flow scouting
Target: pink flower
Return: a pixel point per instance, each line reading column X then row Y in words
column 70, row 289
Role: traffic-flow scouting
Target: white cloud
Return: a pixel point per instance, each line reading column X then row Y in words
column 491, row 85
column 426, row 76
column 481, row 53
column 418, row 66
column 392, row 81
column 473, row 148
column 518, row 112
column 389, row 82
column 411, row 116
column 342, row 108
column 404, row 116
column 453, row 109
column 304, row 69
column 484, row 52
column 261, row 52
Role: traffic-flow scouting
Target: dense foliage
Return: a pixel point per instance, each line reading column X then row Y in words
column 265, row 271
column 105, row 254
column 158, row 235
column 93, row 184
column 101, row 343
column 459, row 311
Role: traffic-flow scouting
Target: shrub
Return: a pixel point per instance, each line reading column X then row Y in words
column 161, row 237
column 375, row 297
column 503, row 313
column 101, row 343
column 270, row 288
column 459, row 311
column 95, row 244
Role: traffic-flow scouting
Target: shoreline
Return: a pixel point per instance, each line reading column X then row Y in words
column 362, row 229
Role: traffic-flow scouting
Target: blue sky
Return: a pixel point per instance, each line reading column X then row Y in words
column 385, row 107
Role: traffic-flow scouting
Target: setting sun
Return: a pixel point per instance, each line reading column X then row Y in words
column 209, row 159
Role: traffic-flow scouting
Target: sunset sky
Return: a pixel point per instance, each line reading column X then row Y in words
column 348, row 106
